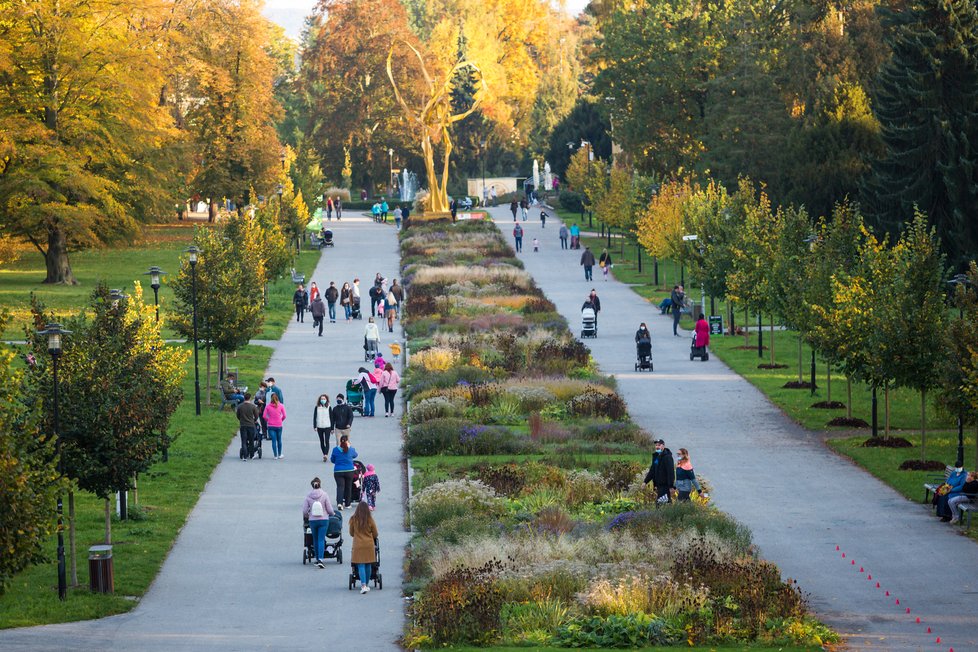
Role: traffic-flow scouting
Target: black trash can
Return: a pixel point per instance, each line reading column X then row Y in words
column 101, row 578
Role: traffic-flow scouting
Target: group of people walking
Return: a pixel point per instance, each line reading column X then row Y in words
column 671, row 477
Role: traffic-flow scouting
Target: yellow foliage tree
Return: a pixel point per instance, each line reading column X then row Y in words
column 660, row 226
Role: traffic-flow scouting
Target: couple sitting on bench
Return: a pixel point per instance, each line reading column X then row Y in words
column 231, row 392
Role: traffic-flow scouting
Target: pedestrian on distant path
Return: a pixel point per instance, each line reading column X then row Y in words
column 594, row 303
column 332, row 296
column 405, row 216
column 398, row 292
column 485, row 196
column 368, row 382
column 587, row 260
column 300, row 299
column 322, row 423
column 513, row 207
column 536, row 244
column 398, row 213
column 685, row 476
column 518, row 235
column 346, row 300
column 453, row 209
column 261, row 399
column 313, row 291
column 275, row 416
column 678, row 299
column 524, row 208
column 543, row 219
column 339, row 208
column 384, row 209
column 562, row 234
column 318, row 312
column 275, row 389
column 344, row 472
column 363, row 530
column 342, row 418
column 329, row 208
column 371, row 486
column 575, row 234
column 390, row 310
column 604, row 262
column 702, row 331
column 390, row 381
column 317, row 509
column 371, row 336
column 662, row 472
column 248, row 416
column 492, row 195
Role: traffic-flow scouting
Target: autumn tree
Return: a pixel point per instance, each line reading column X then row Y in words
column 958, row 394
column 707, row 213
column 660, row 227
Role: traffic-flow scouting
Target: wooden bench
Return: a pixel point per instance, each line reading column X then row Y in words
column 966, row 510
column 931, row 487
column 297, row 278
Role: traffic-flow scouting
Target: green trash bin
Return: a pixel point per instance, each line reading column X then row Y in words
column 101, row 577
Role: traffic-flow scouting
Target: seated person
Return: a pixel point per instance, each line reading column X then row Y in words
column 230, row 391
column 665, row 305
column 956, row 480
column 968, row 491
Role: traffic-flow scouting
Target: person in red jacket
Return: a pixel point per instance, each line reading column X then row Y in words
column 702, row 332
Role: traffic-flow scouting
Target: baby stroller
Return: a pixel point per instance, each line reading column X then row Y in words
column 334, row 541
column 643, row 350
column 359, row 469
column 327, row 238
column 355, row 308
column 354, row 396
column 370, row 349
column 375, row 575
column 589, row 323
column 697, row 351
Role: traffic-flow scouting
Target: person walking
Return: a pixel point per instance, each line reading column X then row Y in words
column 485, row 197
column 338, row 205
column 518, row 236
column 371, row 486
column 662, row 472
column 595, row 303
column 685, row 476
column 536, row 244
column 604, row 262
column 562, row 233
column 363, row 531
column 405, row 215
column 313, row 291
column 390, row 381
column 384, row 209
column 575, row 234
column 261, row 399
column 355, row 293
column 300, row 299
column 453, row 209
column 398, row 213
column 390, row 310
column 344, row 472
column 543, row 219
column 398, row 291
column 513, row 207
column 275, row 416
column 318, row 312
column 678, row 299
column 317, row 509
column 492, row 195
column 248, row 417
column 524, row 208
column 346, row 300
column 371, row 336
column 702, row 331
column 322, row 423
column 342, row 418
column 332, row 296
column 587, row 260
column 368, row 382
column 329, row 208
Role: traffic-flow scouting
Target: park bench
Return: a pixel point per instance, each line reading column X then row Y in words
column 232, row 372
column 314, row 241
column 298, row 278
column 931, row 487
column 967, row 509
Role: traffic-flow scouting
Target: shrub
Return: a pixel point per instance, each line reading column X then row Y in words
column 619, row 474
column 506, row 479
column 595, row 403
column 732, row 538
column 533, row 621
column 641, row 594
column 333, row 191
column 571, row 201
column 453, row 498
column 457, row 528
column 624, row 432
column 584, row 487
column 437, row 436
column 553, row 520
column 633, row 630
column 435, row 407
column 435, row 359
column 491, row 440
column 462, row 606
column 530, row 398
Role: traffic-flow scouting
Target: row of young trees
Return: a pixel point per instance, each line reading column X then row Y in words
column 112, row 112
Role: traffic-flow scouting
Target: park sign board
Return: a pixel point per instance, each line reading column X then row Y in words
column 470, row 216
column 716, row 324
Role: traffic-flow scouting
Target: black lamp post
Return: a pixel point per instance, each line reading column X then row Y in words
column 961, row 280
column 54, row 333
column 589, row 213
column 811, row 240
column 482, row 155
column 154, row 274
column 193, row 252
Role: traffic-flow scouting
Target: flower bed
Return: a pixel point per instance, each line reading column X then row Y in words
column 533, row 525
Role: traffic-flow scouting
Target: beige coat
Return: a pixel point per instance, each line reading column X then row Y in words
column 363, row 543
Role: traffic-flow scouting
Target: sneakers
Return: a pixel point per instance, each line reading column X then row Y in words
column 339, row 507
column 364, row 589
column 319, row 562
column 954, row 520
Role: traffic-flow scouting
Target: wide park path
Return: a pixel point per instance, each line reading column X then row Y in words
column 235, row 579
column 800, row 500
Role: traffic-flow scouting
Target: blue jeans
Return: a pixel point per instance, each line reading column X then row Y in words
column 347, row 310
column 368, row 402
column 587, row 273
column 318, row 527
column 332, row 311
column 364, row 570
column 275, row 434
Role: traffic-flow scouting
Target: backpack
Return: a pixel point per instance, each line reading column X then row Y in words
column 317, row 510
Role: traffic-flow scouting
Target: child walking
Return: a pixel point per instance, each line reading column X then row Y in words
column 371, row 486
column 536, row 244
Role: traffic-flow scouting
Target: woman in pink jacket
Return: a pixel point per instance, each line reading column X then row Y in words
column 275, row 414
column 390, row 381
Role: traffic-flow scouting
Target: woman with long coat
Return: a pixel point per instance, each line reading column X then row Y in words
column 363, row 530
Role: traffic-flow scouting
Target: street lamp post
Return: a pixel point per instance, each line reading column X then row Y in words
column 390, row 173
column 193, row 252
column 54, row 333
column 961, row 280
column 590, row 155
column 154, row 274
column 482, row 152
column 116, row 296
column 811, row 240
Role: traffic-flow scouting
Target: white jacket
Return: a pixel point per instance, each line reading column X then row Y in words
column 371, row 332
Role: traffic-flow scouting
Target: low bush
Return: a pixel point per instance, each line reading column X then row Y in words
column 435, row 437
column 624, row 432
column 595, row 403
column 534, row 621
column 491, row 440
column 505, row 479
column 687, row 517
column 571, row 201
column 620, row 474
column 631, row 631
column 461, row 607
column 435, row 407
column 658, row 595
column 452, row 499
column 584, row 487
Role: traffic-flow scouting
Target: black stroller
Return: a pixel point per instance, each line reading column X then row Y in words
column 359, row 469
column 370, row 349
column 334, row 541
column 697, row 351
column 355, row 308
column 327, row 238
column 255, row 448
column 375, row 575
column 643, row 351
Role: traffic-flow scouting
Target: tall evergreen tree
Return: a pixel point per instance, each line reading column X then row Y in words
column 927, row 106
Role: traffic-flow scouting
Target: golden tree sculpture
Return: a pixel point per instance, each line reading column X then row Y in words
column 434, row 119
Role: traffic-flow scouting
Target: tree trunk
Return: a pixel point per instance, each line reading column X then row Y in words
column 886, row 411
column 208, row 373
column 799, row 360
column 848, row 397
column 746, row 330
column 72, row 557
column 108, row 521
column 56, row 259
column 772, row 339
column 923, row 424
column 828, row 382
column 212, row 211
column 976, row 448
column 135, row 488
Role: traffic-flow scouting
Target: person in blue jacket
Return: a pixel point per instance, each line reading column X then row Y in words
column 956, row 479
column 344, row 472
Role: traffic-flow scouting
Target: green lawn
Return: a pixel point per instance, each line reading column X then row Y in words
column 167, row 493
column 731, row 648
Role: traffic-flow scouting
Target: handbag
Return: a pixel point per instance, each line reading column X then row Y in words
column 943, row 490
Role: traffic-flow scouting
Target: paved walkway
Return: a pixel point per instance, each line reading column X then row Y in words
column 234, row 579
column 799, row 499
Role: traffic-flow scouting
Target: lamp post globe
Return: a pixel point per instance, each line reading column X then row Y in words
column 155, row 274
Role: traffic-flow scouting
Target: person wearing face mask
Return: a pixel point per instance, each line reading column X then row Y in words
column 662, row 472
column 956, row 481
column 642, row 333
column 322, row 423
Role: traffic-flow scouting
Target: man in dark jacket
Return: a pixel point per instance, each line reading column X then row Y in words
column 678, row 299
column 342, row 417
column 398, row 292
column 300, row 300
column 318, row 310
column 662, row 472
column 587, row 259
column 332, row 296
column 247, row 413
